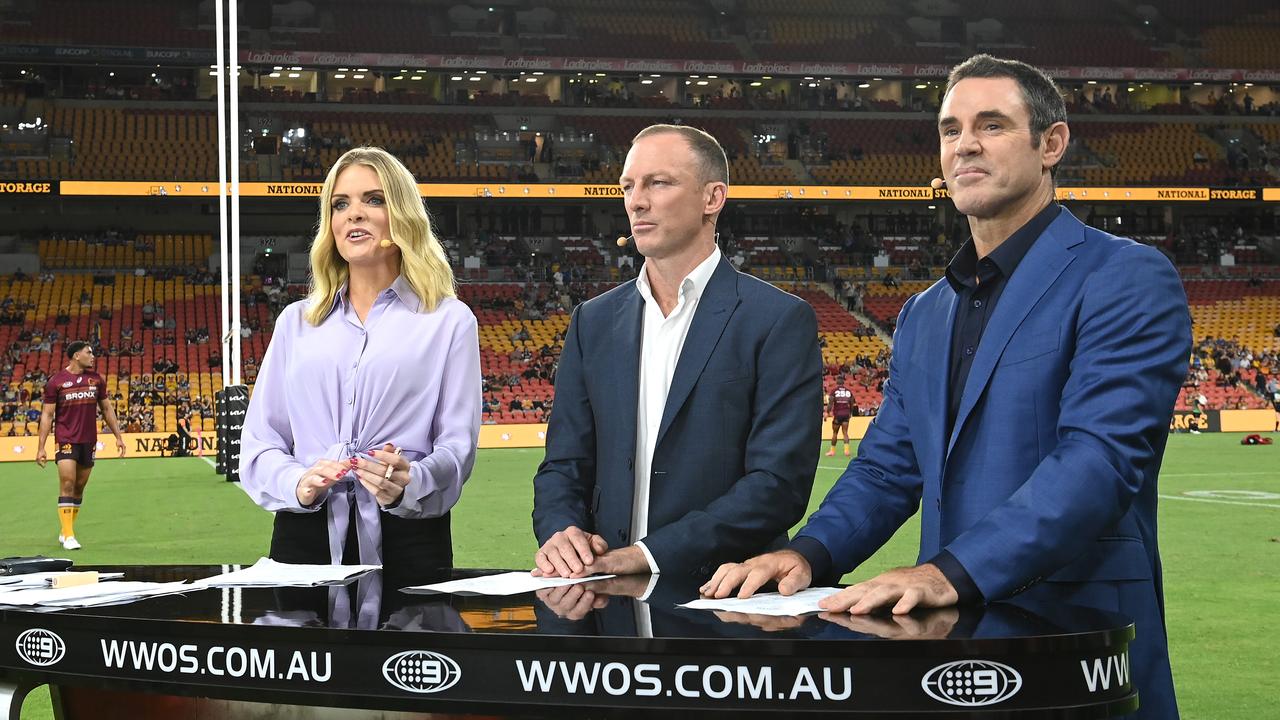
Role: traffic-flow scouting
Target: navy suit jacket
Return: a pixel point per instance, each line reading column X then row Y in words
column 1049, row 473
column 738, row 442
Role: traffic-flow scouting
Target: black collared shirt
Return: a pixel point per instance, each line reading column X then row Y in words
column 978, row 284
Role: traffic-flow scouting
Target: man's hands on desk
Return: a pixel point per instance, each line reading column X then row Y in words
column 575, row 553
column 904, row 588
column 574, row 602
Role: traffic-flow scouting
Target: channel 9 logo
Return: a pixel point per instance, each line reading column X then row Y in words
column 40, row 647
column 971, row 683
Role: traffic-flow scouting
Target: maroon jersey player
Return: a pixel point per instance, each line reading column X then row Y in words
column 841, row 408
column 71, row 401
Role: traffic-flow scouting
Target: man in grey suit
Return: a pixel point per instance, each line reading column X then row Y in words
column 688, row 404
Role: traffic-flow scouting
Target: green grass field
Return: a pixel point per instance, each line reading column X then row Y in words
column 1221, row 551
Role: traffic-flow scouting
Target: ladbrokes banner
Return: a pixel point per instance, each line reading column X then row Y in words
column 439, row 61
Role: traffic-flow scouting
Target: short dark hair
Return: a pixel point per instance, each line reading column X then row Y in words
column 715, row 165
column 1042, row 97
column 75, row 346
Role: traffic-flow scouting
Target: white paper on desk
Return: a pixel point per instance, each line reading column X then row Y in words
column 805, row 601
column 509, row 583
column 41, row 579
column 90, row 595
column 269, row 573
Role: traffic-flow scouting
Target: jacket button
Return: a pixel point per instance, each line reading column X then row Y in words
column 631, row 464
column 622, row 535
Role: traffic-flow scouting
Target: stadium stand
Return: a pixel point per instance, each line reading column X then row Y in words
column 1247, row 42
column 1142, row 153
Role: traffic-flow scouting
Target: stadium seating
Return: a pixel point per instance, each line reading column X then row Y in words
column 123, row 295
column 1154, row 153
column 114, row 143
column 426, row 143
column 1236, row 309
column 146, row 251
column 110, row 141
column 1248, row 42
column 1075, row 42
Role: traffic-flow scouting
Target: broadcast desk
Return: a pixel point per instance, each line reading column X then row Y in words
column 379, row 652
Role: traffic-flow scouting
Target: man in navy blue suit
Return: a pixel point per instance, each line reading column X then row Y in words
column 1028, row 400
column 688, row 401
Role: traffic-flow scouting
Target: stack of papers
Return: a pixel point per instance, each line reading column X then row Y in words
column 269, row 573
column 109, row 593
column 805, row 601
column 509, row 583
column 42, row 580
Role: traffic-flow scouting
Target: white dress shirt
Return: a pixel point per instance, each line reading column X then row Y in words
column 662, row 339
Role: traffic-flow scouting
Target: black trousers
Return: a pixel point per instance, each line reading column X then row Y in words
column 411, row 549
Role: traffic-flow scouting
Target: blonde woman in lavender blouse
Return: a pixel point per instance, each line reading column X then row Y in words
column 362, row 426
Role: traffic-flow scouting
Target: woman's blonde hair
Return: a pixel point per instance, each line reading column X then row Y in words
column 422, row 260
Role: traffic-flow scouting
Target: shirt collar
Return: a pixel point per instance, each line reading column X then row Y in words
column 693, row 284
column 400, row 289
column 964, row 266
column 404, row 292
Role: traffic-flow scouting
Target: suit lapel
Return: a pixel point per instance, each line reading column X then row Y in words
column 715, row 307
column 1039, row 269
column 934, row 353
column 627, row 327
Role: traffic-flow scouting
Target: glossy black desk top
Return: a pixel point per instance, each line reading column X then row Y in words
column 370, row 645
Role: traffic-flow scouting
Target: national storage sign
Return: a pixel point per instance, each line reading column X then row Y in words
column 567, row 191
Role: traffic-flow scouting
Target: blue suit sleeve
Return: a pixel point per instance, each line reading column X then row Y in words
column 881, row 487
column 565, row 480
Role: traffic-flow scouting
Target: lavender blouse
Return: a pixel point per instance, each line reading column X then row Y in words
column 403, row 377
